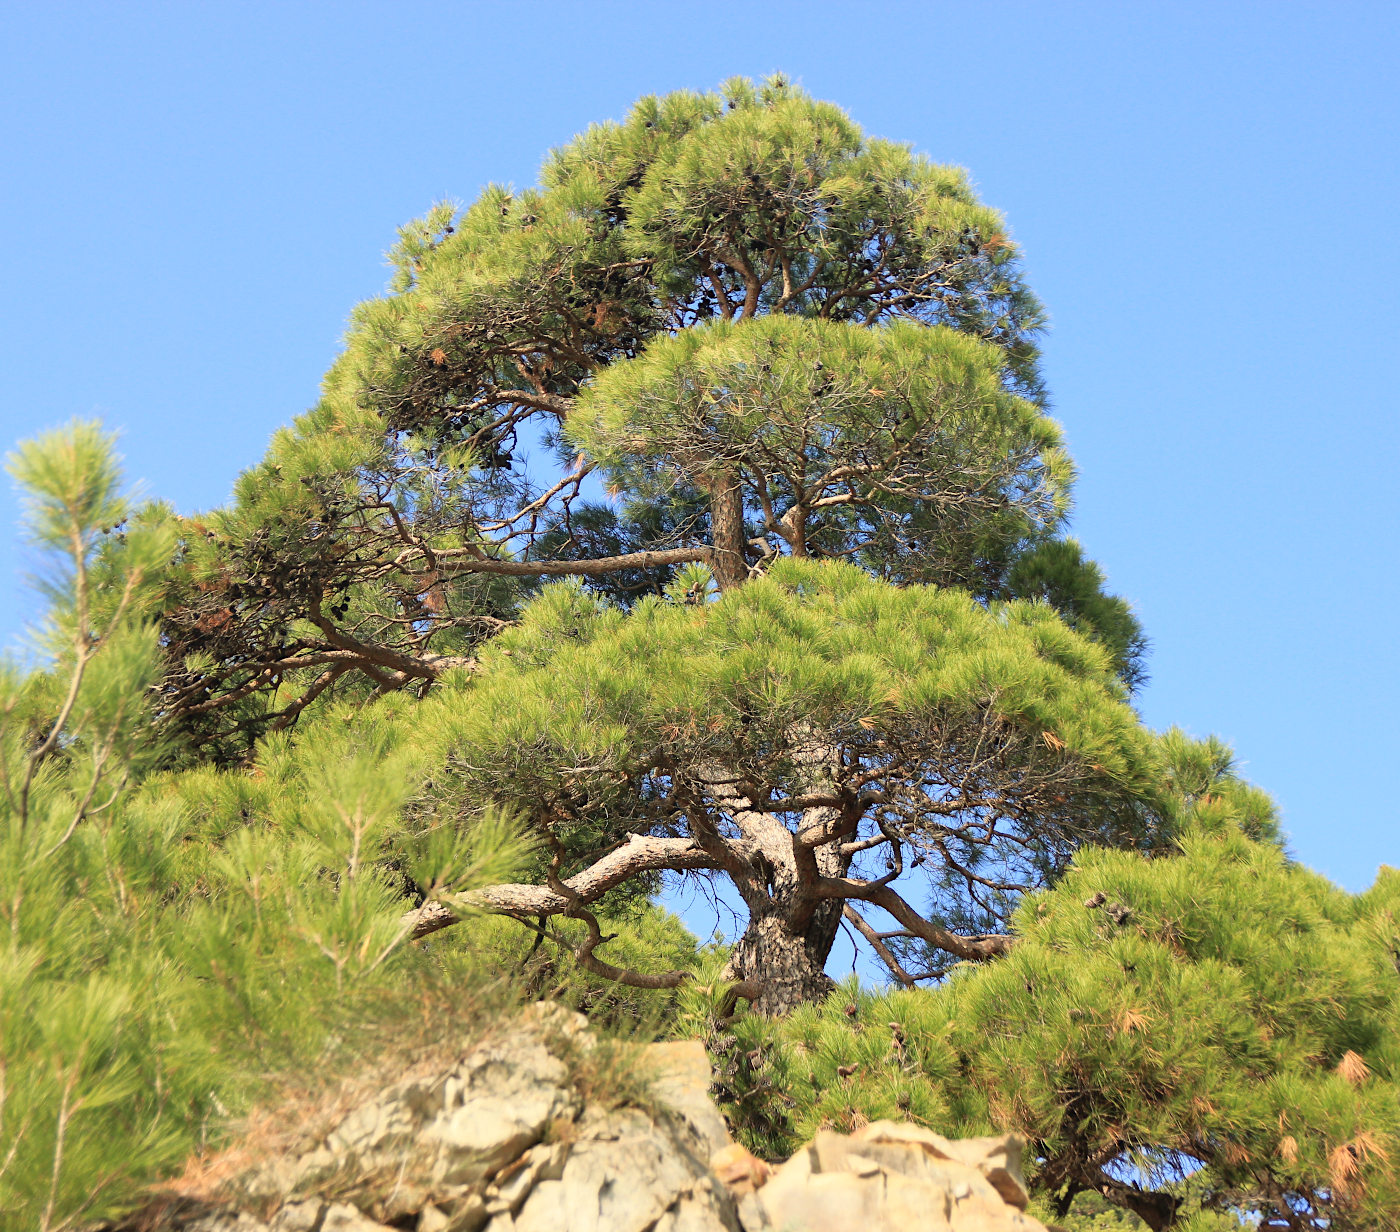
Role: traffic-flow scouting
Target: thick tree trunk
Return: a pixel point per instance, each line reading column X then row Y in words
column 729, row 565
column 790, row 933
column 787, row 965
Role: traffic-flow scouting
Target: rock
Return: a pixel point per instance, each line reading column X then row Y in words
column 500, row 1140
column 298, row 1217
column 549, row 1018
column 512, row 1184
column 432, row 1219
column 998, row 1158
column 682, row 1083
column 225, row 1221
column 742, row 1172
column 493, row 1108
column 706, row 1210
column 468, row 1215
column 626, row 1174
column 438, row 1136
column 890, row 1177
column 341, row 1217
column 843, row 1200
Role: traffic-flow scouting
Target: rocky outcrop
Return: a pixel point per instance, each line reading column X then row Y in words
column 503, row 1139
column 885, row 1177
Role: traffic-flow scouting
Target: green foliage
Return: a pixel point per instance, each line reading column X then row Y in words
column 265, row 745
column 346, row 565
column 1056, row 571
column 169, row 943
column 644, row 936
column 821, row 643
column 1220, row 1015
column 251, row 619
column 696, row 206
column 899, row 447
column 594, row 723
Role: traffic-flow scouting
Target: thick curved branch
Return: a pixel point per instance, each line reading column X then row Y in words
column 583, row 953
column 877, row 943
column 409, row 667
column 865, row 844
column 640, row 854
column 589, row 961
column 1157, row 1210
column 973, row 949
column 740, row 990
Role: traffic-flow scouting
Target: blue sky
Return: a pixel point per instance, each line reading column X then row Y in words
column 194, row 195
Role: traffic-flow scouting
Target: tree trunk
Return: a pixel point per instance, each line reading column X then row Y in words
column 729, row 565
column 787, row 965
column 789, row 935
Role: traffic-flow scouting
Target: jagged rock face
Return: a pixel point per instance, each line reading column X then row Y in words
column 502, row 1141
column 889, row 1177
column 499, row 1140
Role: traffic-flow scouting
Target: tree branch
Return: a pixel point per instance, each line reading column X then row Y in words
column 585, row 957
column 456, row 561
column 1156, row 1210
column 882, row 951
column 640, row 854
column 973, row 949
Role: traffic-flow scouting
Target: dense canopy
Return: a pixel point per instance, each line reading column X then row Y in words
column 896, row 447
column 396, row 525
column 809, row 737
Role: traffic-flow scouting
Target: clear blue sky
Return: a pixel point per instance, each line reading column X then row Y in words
column 193, row 196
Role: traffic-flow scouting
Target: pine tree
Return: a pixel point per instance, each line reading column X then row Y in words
column 171, row 945
column 403, row 519
column 782, row 346
column 795, row 609
column 812, row 737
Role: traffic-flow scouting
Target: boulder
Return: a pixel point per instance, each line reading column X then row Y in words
column 681, row 1080
column 628, row 1173
column 887, row 1177
column 998, row 1158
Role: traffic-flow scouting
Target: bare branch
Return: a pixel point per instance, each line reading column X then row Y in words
column 877, row 943
column 973, row 949
column 640, row 854
column 457, row 561
column 589, row 961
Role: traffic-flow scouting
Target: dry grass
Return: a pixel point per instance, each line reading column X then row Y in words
column 1353, row 1068
column 298, row 1110
column 1129, row 1020
column 301, row 1112
column 1344, row 1163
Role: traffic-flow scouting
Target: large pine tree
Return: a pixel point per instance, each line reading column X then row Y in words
column 695, row 515
column 768, row 386
column 403, row 518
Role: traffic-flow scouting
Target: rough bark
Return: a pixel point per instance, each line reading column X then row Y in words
column 795, row 883
column 970, row 949
column 791, row 929
column 783, row 962
column 729, row 563
column 1157, row 1210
